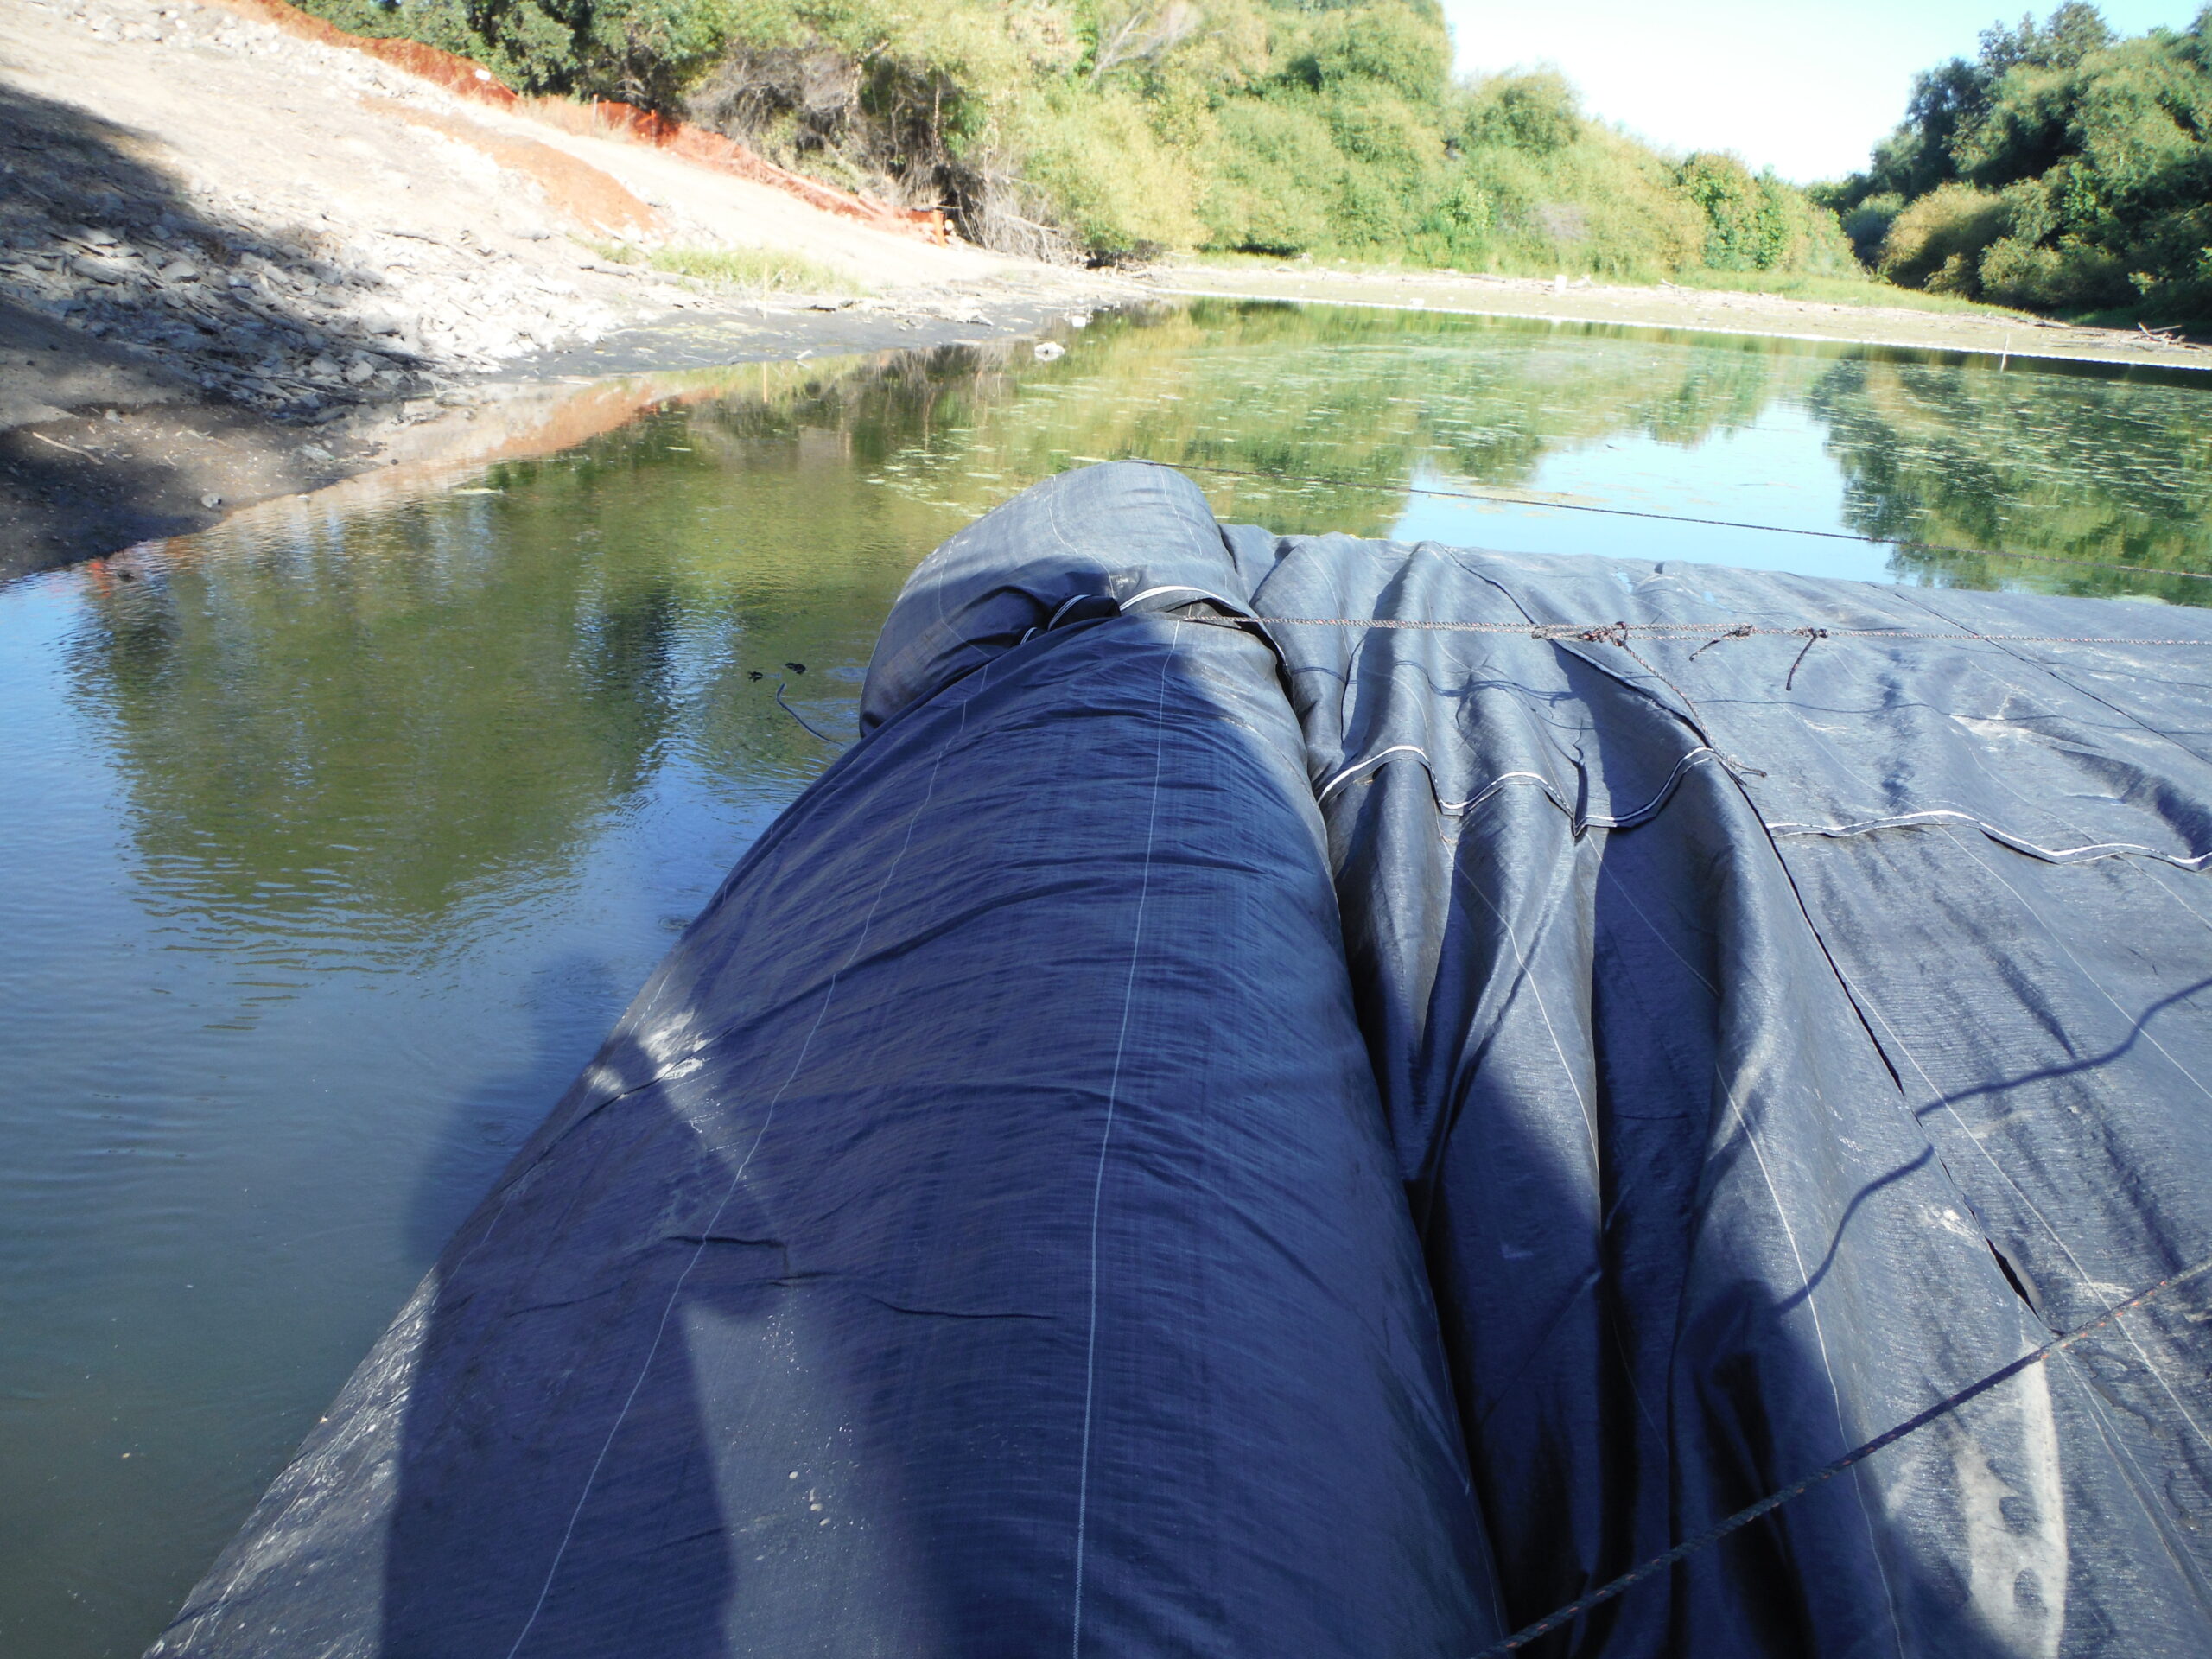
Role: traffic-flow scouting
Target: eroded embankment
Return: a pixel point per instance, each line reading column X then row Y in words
column 237, row 261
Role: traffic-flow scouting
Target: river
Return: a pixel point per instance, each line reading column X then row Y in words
column 337, row 835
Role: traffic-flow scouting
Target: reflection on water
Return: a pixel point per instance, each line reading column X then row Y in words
column 2080, row 467
column 338, row 835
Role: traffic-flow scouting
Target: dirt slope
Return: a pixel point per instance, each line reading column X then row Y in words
column 234, row 263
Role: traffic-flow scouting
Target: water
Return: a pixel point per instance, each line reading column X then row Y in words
column 337, row 835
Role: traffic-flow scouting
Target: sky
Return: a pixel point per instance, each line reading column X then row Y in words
column 1804, row 86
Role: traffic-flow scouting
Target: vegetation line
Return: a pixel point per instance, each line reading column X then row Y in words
column 1106, row 129
column 2061, row 168
column 1854, row 337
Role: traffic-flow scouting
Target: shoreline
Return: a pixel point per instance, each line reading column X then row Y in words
column 144, row 455
column 140, row 423
column 151, row 457
column 238, row 262
column 1693, row 310
column 238, row 265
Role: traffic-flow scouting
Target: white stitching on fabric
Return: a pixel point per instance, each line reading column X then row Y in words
column 1774, row 1194
column 706, row 1233
column 1106, row 1136
column 1589, row 1124
column 2164, row 1053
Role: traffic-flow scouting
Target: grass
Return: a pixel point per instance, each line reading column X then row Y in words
column 1332, row 262
column 615, row 253
column 1835, row 290
column 750, row 271
column 1823, row 289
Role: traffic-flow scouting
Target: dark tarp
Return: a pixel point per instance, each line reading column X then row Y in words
column 1297, row 1139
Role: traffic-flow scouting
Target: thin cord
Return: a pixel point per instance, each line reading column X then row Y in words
column 1604, row 633
column 802, row 719
column 1767, row 1505
column 1812, row 635
column 1683, row 518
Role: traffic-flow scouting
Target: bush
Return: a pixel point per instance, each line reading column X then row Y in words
column 1868, row 222
column 1536, row 112
column 1119, row 127
column 2061, row 168
column 1748, row 226
column 1273, row 177
column 1108, row 179
column 2015, row 270
column 1389, row 45
column 1604, row 205
column 1937, row 243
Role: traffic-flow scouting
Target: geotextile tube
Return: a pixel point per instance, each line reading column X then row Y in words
column 1221, row 1128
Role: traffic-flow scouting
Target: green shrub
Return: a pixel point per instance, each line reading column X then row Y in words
column 2085, row 161
column 1937, row 243
column 2016, row 271
column 1108, row 178
column 1603, row 204
column 1868, row 221
column 1384, row 44
column 1747, row 227
column 1536, row 112
column 1112, row 127
column 1273, row 177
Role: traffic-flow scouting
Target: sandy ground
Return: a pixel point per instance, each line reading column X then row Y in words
column 237, row 263
column 1694, row 309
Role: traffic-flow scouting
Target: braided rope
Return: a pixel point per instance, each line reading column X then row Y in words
column 1615, row 634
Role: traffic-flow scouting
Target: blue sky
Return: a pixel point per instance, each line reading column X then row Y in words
column 1805, row 86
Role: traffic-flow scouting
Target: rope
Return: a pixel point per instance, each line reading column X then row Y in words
column 838, row 742
column 1684, row 518
column 1745, row 1516
column 1789, row 680
column 1743, row 633
column 1616, row 633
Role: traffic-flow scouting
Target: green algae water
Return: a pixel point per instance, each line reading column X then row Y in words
column 335, row 837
